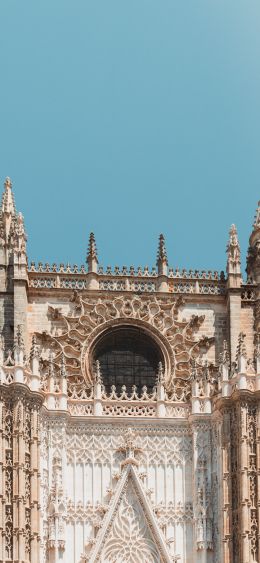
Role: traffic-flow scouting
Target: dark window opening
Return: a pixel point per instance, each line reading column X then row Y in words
column 127, row 356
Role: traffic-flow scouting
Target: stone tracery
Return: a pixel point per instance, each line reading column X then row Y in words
column 158, row 318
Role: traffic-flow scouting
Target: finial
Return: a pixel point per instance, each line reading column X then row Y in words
column 162, row 254
column 241, row 347
column 162, row 261
column 19, row 347
column 92, row 259
column 8, row 204
column 7, row 183
column 97, row 374
column 63, row 366
column 233, row 252
column 129, row 445
column 92, row 248
column 241, row 354
column 34, row 352
column 51, row 365
column 18, row 341
column 224, row 357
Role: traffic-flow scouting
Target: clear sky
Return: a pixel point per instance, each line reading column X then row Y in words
column 131, row 118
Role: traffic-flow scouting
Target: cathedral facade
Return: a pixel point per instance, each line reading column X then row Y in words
column 129, row 408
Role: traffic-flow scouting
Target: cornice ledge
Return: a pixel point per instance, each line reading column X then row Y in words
column 199, row 418
column 237, row 395
column 21, row 390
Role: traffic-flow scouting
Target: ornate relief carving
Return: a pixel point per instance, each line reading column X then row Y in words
column 130, row 532
column 57, row 508
column 252, row 474
column 130, row 539
column 235, row 430
column 8, row 435
column 203, row 495
column 157, row 316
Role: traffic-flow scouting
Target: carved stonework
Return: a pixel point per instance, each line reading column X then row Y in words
column 233, row 252
column 130, row 539
column 122, row 438
column 159, row 318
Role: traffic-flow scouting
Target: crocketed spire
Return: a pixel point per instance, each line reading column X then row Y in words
column 12, row 233
column 92, row 259
column 162, row 260
column 8, row 203
column 92, row 247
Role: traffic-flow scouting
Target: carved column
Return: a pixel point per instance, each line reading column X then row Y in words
column 35, row 484
column 26, row 487
column 57, row 502
column 19, row 498
column 258, row 471
column 253, row 474
column 217, row 493
column 235, row 482
column 202, row 492
column 244, row 483
column 226, row 488
column 6, row 481
column 2, row 492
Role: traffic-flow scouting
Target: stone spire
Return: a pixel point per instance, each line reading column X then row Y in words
column 12, row 233
column 253, row 255
column 92, row 259
column 7, row 213
column 8, row 203
column 162, row 261
column 233, row 253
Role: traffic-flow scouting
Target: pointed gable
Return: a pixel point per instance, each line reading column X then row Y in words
column 130, row 533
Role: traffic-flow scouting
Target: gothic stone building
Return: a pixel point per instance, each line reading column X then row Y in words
column 129, row 408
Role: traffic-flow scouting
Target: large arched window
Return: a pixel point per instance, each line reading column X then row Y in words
column 127, row 356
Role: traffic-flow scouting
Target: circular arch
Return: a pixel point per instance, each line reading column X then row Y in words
column 159, row 340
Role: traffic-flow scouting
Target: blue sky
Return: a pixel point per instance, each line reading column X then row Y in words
column 131, row 119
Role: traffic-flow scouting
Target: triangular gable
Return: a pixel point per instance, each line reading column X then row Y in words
column 130, row 533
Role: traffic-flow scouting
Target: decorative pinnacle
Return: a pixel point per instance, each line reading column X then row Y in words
column 8, row 204
column 129, row 445
column 162, row 261
column 51, row 365
column 224, row 355
column 7, row 183
column 241, row 347
column 92, row 247
column 18, row 341
column 92, row 258
column 34, row 352
column 162, row 254
column 63, row 366
column 256, row 224
column 97, row 374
